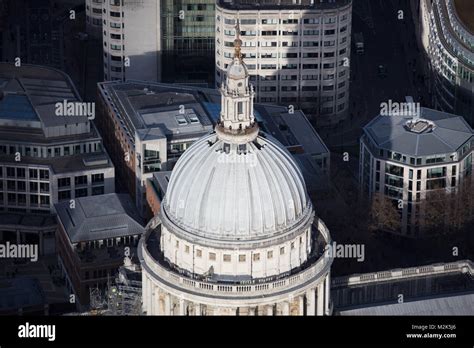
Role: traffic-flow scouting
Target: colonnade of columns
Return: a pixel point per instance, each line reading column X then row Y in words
column 314, row 301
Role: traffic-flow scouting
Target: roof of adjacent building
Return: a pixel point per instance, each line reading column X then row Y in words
column 447, row 135
column 153, row 110
column 30, row 220
column 99, row 217
column 282, row 4
column 65, row 164
column 290, row 129
column 20, row 292
column 465, row 12
column 30, row 92
column 162, row 179
column 454, row 304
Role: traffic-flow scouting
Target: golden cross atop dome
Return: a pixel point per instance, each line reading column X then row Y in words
column 237, row 42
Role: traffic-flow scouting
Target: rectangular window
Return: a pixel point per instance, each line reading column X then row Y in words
column 212, row 256
column 81, row 192
column 33, row 173
column 198, row 253
column 282, row 250
column 33, row 186
column 10, row 172
column 44, row 200
column 270, row 254
column 64, row 182
column 242, row 258
column 227, row 258
column 20, row 172
column 64, row 195
column 44, row 174
column 44, row 187
column 80, row 180
column 256, row 257
column 98, row 190
column 97, row 178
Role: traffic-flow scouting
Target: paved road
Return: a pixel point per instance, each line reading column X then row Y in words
column 388, row 41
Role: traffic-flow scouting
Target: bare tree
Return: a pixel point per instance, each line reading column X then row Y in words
column 444, row 212
column 384, row 215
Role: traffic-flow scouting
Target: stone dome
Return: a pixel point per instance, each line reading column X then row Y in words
column 237, row 192
column 237, row 70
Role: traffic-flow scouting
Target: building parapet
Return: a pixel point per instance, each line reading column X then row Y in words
column 313, row 272
column 464, row 266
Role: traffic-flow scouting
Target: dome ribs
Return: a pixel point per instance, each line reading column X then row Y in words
column 236, row 196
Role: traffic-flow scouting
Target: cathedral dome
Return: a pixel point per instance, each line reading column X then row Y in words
column 234, row 192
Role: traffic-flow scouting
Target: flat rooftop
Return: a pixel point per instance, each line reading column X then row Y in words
column 30, row 220
column 65, row 164
column 29, row 93
column 456, row 304
column 282, row 4
column 155, row 110
column 152, row 109
column 100, row 217
column 465, row 12
column 398, row 133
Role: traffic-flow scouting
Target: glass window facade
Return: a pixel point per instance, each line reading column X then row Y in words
column 188, row 28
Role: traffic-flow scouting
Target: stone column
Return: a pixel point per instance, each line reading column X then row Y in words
column 153, row 300
column 320, row 307
column 301, row 305
column 286, row 308
column 270, row 310
column 197, row 309
column 148, row 298
column 18, row 237
column 182, row 307
column 167, row 304
column 310, row 298
column 327, row 295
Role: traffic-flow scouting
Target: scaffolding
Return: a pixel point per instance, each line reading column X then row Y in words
column 124, row 297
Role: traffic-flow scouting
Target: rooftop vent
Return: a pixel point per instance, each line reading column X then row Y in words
column 419, row 126
column 147, row 91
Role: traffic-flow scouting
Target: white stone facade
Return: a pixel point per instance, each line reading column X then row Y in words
column 131, row 40
column 450, row 50
column 297, row 57
column 166, row 292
